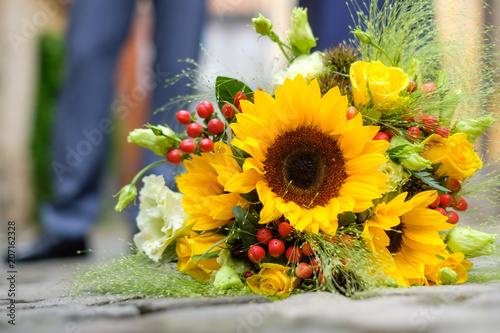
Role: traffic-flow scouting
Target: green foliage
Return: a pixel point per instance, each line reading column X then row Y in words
column 428, row 178
column 247, row 224
column 136, row 274
column 347, row 265
column 51, row 59
column 226, row 88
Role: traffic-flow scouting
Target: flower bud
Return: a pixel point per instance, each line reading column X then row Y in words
column 127, row 194
column 363, row 36
column 415, row 162
column 159, row 143
column 227, row 278
column 300, row 34
column 262, row 25
column 473, row 127
column 448, row 276
column 470, row 242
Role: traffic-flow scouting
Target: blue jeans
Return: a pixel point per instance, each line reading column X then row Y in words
column 96, row 34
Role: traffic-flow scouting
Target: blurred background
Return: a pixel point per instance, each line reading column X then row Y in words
column 32, row 56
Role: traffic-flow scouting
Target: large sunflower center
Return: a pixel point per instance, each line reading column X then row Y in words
column 304, row 169
column 305, row 166
column 395, row 238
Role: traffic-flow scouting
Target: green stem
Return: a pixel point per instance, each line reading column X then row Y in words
column 284, row 53
column 383, row 52
column 143, row 171
column 341, row 74
column 275, row 38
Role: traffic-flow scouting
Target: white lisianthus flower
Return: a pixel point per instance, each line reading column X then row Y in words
column 161, row 217
column 396, row 172
column 308, row 65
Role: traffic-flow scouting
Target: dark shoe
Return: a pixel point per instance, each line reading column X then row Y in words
column 51, row 247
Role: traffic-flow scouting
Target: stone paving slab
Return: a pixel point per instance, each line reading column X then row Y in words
column 464, row 308
column 42, row 307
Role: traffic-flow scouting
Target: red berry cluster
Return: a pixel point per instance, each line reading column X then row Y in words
column 200, row 134
column 276, row 242
column 445, row 201
column 228, row 110
column 428, row 123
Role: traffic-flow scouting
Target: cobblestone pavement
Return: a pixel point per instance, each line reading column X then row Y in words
column 42, row 307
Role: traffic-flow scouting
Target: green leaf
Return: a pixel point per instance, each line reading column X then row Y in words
column 427, row 178
column 226, row 88
column 346, row 218
column 248, row 225
column 397, row 151
column 252, row 196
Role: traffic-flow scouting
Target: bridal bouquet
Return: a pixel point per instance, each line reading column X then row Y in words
column 351, row 174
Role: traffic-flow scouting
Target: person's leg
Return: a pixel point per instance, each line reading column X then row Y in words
column 96, row 33
column 177, row 34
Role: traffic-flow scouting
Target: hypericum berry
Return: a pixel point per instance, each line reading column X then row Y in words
column 453, row 185
column 428, row 88
column 460, row 204
column 307, row 249
column 315, row 264
column 215, row 126
column 413, row 133
column 293, row 254
column 284, row 229
column 248, row 274
column 391, row 133
column 435, row 203
column 205, row 109
column 381, row 136
column 303, row 270
column 183, row 117
column 348, row 241
column 441, row 210
column 238, row 97
column 430, row 123
column 452, row 217
column 419, row 115
column 256, row 253
column 194, row 130
column 187, row 146
column 445, row 200
column 206, row 145
column 174, row 156
column 344, row 260
column 443, row 131
column 228, row 110
column 239, row 109
column 276, row 248
column 351, row 112
column 264, row 236
column 412, row 86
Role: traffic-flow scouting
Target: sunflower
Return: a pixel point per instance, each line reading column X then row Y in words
column 405, row 236
column 306, row 161
column 205, row 201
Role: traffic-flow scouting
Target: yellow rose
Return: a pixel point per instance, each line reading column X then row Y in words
column 384, row 84
column 456, row 155
column 192, row 244
column 455, row 262
column 273, row 280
